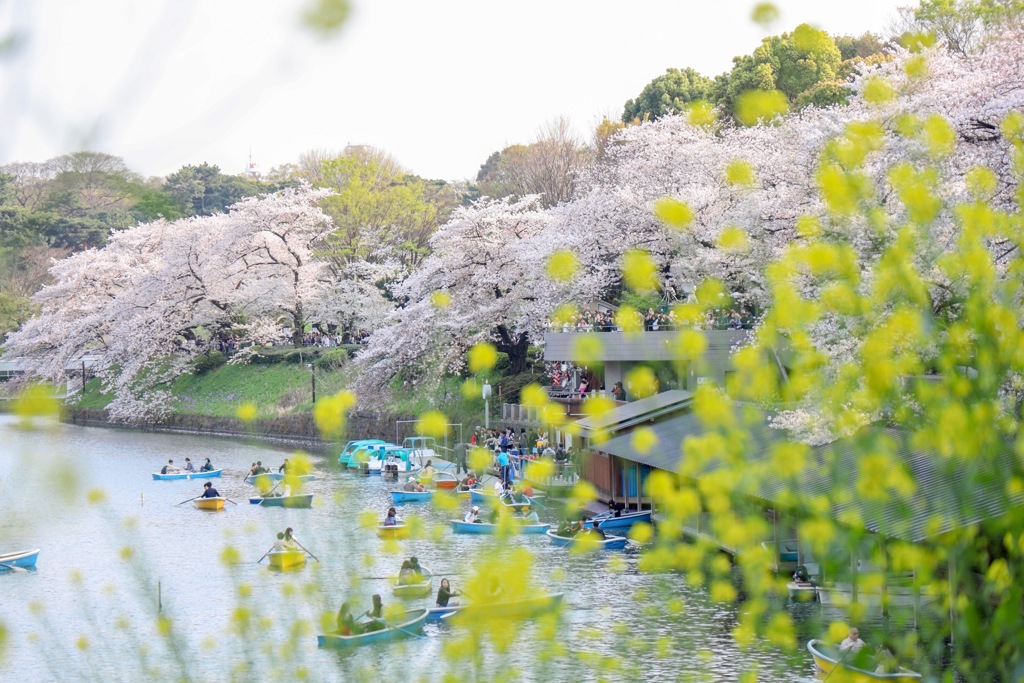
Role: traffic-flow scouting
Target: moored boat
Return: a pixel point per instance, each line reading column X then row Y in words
column 399, row 530
column 23, row 559
column 445, row 480
column 607, row 543
column 516, row 527
column 841, row 595
column 523, row 609
column 403, row 626
column 214, row 503
column 411, row 496
column 352, row 446
column 420, row 587
column 623, row 521
column 299, row 500
column 829, row 659
column 186, row 475
column 802, row 591
column 286, row 559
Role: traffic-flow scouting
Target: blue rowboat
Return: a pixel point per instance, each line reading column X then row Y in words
column 479, row 496
column 435, row 614
column 461, row 527
column 623, row 521
column 609, row 543
column 186, row 475
column 411, row 496
column 488, row 496
column 24, row 559
column 404, row 626
column 301, row 500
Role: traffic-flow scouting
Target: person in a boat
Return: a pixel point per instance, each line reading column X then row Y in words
column 615, row 508
column 473, row 516
column 575, row 527
column 801, row 575
column 374, row 616
column 445, row 594
column 279, row 545
column 391, row 519
column 289, row 539
column 283, row 469
column 169, row 468
column 427, row 471
column 494, row 515
column 564, row 528
column 852, row 644
column 207, row 466
column 410, row 571
column 469, row 482
column 499, row 487
column 347, row 625
column 527, row 489
column 189, row 467
column 209, row 491
column 414, row 486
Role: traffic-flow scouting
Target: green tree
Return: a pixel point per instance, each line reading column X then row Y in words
column 852, row 47
column 203, row 190
column 792, row 63
column 670, row 92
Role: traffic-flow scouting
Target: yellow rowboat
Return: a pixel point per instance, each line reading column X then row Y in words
column 215, row 503
column 400, row 530
column 286, row 559
column 830, row 660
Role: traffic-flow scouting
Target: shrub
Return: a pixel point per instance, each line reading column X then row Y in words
column 211, row 360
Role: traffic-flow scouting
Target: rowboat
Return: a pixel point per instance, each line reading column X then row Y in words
column 417, row 589
column 213, row 503
column 24, row 559
column 186, row 475
column 403, row 626
column 522, row 609
column 609, row 543
column 623, row 521
column 399, row 530
column 516, row 527
column 445, row 480
column 286, row 559
column 268, row 477
column 488, row 496
column 829, row 658
column 411, row 496
column 298, row 500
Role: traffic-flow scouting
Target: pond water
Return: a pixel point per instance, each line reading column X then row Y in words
column 90, row 610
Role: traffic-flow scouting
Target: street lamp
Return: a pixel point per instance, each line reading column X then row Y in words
column 312, row 379
column 487, row 405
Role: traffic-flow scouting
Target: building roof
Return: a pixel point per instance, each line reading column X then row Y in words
column 634, row 413
column 937, row 495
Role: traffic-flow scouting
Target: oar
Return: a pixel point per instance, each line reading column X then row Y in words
column 535, row 501
column 398, row 628
column 188, row 501
column 296, row 542
column 264, row 555
column 377, row 578
column 838, row 663
column 231, row 501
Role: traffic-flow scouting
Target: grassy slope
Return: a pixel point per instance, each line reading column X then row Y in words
column 273, row 389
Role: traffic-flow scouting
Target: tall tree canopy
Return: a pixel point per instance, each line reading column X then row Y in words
column 670, row 92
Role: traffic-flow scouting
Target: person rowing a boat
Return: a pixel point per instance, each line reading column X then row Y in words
column 852, row 644
column 445, row 594
column 283, row 469
column 209, row 491
column 347, row 625
column 289, row 539
column 473, row 516
column 375, row 615
column 411, row 572
column 391, row 519
column 169, row 468
column 279, row 545
column 414, row 486
column 207, row 466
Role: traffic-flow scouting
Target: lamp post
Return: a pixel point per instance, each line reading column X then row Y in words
column 487, row 404
column 312, row 380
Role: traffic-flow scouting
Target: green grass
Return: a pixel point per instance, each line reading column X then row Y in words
column 273, row 389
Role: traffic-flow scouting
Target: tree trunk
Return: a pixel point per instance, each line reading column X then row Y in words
column 298, row 325
column 516, row 348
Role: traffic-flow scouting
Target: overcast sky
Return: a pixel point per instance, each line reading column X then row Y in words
column 439, row 84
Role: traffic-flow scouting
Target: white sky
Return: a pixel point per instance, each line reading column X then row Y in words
column 439, row 84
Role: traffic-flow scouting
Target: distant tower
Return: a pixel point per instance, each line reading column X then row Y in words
column 252, row 169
